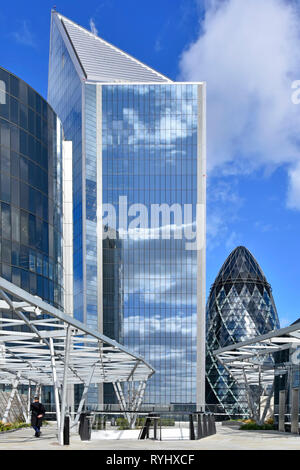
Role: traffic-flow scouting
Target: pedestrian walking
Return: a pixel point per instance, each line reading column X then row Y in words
column 37, row 413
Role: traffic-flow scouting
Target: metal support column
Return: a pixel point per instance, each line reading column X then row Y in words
column 24, row 413
column 55, row 384
column 295, row 411
column 281, row 416
column 37, row 392
column 121, row 399
column 11, row 397
column 267, row 406
column 65, row 385
column 28, row 402
column 137, row 403
column 249, row 397
column 83, row 396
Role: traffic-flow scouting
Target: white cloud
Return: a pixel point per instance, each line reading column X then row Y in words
column 173, row 340
column 249, row 54
column 171, row 282
column 231, row 241
column 223, row 204
column 93, row 28
column 294, row 187
column 182, row 324
column 23, row 35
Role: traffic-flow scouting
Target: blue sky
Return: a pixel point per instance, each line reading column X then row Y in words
column 248, row 51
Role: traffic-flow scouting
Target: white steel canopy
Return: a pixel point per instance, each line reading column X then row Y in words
column 41, row 345
column 28, row 328
column 255, row 356
column 251, row 362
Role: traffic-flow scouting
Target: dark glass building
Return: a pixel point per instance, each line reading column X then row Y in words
column 240, row 306
column 30, row 191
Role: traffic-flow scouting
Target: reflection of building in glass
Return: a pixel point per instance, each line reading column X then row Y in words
column 240, row 306
column 112, row 285
column 31, row 191
column 137, row 135
column 112, row 294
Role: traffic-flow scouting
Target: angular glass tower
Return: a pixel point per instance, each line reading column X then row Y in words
column 138, row 139
column 240, row 306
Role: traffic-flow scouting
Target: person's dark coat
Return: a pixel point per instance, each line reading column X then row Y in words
column 37, row 409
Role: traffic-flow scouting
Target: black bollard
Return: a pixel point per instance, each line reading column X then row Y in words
column 192, row 431
column 67, row 431
column 204, row 426
column 209, row 425
column 85, row 427
column 199, row 426
column 214, row 424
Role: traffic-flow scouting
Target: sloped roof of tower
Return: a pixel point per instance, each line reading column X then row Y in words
column 241, row 266
column 103, row 62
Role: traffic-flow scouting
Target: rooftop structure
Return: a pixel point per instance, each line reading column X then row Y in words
column 40, row 345
column 257, row 362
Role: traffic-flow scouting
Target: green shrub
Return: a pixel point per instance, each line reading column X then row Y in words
column 9, row 426
column 140, row 422
column 122, row 423
column 257, row 427
column 270, row 421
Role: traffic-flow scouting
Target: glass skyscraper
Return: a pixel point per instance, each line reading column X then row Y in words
column 240, row 306
column 30, row 191
column 138, row 143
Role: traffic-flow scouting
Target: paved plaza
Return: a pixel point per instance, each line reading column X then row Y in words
column 227, row 438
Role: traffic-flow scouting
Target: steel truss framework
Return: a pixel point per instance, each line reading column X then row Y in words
column 251, row 362
column 40, row 345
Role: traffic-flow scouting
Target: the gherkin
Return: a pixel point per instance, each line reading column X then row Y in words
column 240, row 306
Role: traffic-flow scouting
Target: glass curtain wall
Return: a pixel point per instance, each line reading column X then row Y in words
column 30, row 191
column 149, row 156
column 65, row 96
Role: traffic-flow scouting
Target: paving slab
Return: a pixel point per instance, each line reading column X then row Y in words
column 226, row 438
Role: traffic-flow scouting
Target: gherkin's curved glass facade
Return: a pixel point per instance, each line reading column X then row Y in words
column 240, row 306
column 30, row 191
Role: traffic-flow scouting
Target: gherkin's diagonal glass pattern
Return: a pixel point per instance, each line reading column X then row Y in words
column 240, row 306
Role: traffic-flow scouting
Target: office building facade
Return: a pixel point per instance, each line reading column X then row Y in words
column 240, row 306
column 138, row 141
column 30, row 191
column 287, row 373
